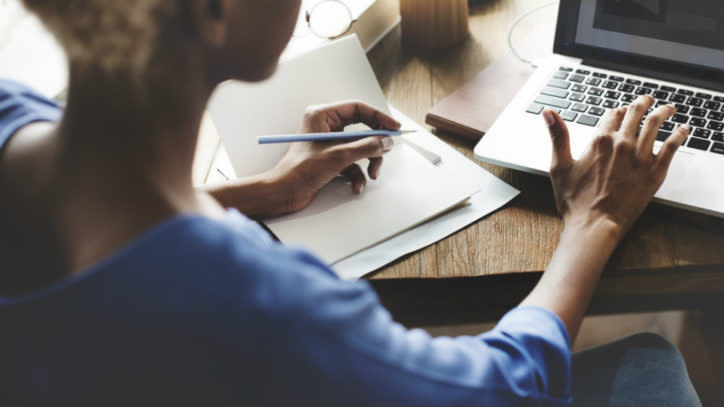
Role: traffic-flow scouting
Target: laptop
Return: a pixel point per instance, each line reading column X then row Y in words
column 606, row 53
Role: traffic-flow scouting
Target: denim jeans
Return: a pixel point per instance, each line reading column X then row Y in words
column 642, row 370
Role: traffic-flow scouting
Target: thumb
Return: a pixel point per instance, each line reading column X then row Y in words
column 559, row 136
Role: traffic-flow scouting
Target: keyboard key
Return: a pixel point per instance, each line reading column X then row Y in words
column 616, row 78
column 719, row 98
column 579, row 107
column 663, row 135
column 577, row 78
column 668, row 126
column 718, row 116
column 699, row 144
column 716, row 126
column 702, row 95
column 683, row 109
column 593, row 100
column 717, row 148
column 569, row 116
column 651, row 85
column 610, row 104
column 595, row 91
column 659, row 94
column 535, row 108
column 702, row 133
column 628, row 98
column 718, row 137
column 552, row 101
column 579, row 88
column 680, row 118
column 712, row 105
column 697, row 122
column 674, row 98
column 577, row 97
column 560, row 75
column 643, row 91
column 565, row 68
column 593, row 82
column 582, row 71
column 698, row 112
column 559, row 93
column 611, row 94
column 668, row 88
column 661, row 103
column 626, row 88
column 596, row 111
column 696, row 102
column 610, row 84
column 685, row 92
column 558, row 83
column 587, row 120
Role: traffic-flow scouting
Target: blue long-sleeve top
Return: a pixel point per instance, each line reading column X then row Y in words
column 206, row 312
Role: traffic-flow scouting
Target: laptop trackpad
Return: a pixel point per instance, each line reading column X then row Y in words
column 687, row 180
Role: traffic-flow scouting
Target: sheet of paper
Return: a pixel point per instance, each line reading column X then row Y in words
column 493, row 194
column 338, row 224
column 242, row 111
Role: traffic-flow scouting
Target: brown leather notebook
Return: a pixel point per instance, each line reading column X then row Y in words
column 472, row 110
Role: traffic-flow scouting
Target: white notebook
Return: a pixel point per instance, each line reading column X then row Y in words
column 338, row 223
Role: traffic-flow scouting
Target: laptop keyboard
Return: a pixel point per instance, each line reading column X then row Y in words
column 584, row 96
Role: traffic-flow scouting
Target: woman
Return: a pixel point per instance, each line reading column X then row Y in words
column 121, row 284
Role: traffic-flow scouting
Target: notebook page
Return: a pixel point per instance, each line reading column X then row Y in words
column 339, row 224
column 242, row 111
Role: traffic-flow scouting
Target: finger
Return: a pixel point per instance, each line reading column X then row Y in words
column 650, row 130
column 373, row 169
column 634, row 114
column 670, row 146
column 560, row 138
column 368, row 147
column 357, row 112
column 355, row 175
column 613, row 119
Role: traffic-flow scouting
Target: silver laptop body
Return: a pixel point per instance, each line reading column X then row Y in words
column 606, row 53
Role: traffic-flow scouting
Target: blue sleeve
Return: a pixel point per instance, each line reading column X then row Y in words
column 364, row 354
column 20, row 106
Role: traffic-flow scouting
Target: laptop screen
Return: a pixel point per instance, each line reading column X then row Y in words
column 685, row 31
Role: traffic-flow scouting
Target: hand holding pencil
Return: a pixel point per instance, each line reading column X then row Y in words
column 306, row 167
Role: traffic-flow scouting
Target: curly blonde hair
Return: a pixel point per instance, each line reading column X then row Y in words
column 113, row 35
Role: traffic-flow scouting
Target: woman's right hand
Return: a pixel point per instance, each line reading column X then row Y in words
column 618, row 176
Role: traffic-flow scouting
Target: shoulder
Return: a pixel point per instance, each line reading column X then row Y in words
column 20, row 106
column 235, row 255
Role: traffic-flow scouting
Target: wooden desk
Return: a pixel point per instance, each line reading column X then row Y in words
column 671, row 259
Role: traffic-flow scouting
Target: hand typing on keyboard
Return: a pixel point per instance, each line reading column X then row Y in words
column 600, row 196
column 618, row 176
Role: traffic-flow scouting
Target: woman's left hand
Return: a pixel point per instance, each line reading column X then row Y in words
column 306, row 167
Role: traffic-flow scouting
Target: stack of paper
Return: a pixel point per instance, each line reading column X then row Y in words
column 338, row 226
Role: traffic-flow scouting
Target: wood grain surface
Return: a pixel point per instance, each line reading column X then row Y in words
column 671, row 258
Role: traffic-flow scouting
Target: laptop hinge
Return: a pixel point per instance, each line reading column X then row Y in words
column 654, row 74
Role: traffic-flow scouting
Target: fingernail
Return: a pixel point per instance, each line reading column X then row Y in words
column 387, row 143
column 549, row 118
column 686, row 127
column 361, row 188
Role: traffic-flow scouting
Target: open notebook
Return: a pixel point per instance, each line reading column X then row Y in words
column 337, row 224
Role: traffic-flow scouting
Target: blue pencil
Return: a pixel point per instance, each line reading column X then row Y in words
column 291, row 138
